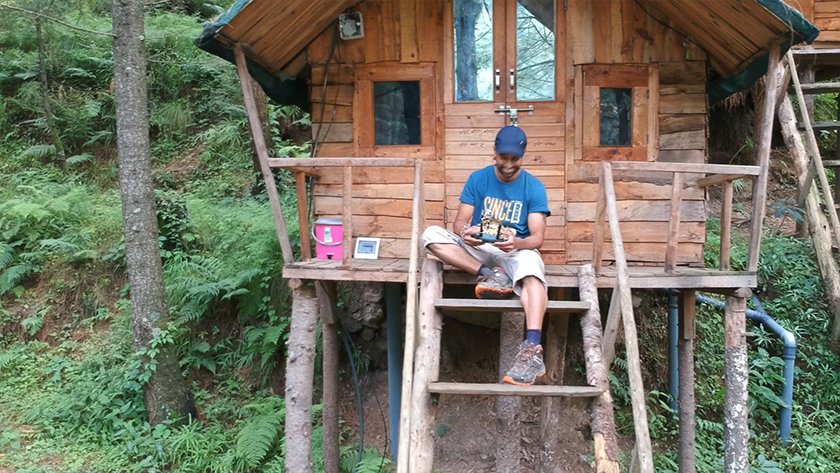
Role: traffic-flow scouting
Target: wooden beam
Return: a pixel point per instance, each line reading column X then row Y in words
column 300, row 372
column 687, row 446
column 339, row 162
column 674, row 223
column 762, row 158
column 426, row 370
column 689, row 168
column 716, row 179
column 497, row 389
column 327, row 300
column 726, row 225
column 494, row 305
column 603, row 420
column 736, row 434
column 631, row 342
column 303, row 216
column 262, row 154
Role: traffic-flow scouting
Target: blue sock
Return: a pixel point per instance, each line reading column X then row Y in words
column 484, row 271
column 533, row 336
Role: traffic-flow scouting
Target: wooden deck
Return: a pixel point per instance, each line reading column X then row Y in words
column 641, row 277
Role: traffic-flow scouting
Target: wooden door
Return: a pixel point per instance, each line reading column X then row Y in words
column 502, row 55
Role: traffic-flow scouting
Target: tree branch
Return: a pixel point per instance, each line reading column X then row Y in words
column 41, row 15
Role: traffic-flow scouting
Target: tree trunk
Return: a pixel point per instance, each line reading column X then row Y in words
column 45, row 90
column 166, row 393
column 466, row 71
column 300, row 370
column 818, row 226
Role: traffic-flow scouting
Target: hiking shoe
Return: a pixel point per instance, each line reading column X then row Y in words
column 496, row 286
column 528, row 365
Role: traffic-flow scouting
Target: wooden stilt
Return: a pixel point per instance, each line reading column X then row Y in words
column 554, row 354
column 508, row 427
column 300, row 367
column 611, row 328
column 736, row 375
column 687, row 450
column 603, row 421
column 426, row 368
column 326, row 291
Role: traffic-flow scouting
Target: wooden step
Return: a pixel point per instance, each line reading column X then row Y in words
column 498, row 389
column 821, row 88
column 818, row 126
column 507, row 305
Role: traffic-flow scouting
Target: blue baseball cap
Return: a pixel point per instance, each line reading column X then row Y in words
column 511, row 140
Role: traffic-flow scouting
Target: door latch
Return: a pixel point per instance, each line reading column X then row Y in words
column 513, row 113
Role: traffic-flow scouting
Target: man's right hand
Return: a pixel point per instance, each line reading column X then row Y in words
column 468, row 237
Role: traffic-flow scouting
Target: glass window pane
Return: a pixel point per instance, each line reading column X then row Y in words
column 616, row 107
column 535, row 49
column 473, row 23
column 396, row 113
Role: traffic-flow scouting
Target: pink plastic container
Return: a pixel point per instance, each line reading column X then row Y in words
column 328, row 234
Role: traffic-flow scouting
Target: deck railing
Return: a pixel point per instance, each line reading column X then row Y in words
column 717, row 174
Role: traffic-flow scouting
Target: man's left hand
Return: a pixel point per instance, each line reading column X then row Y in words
column 510, row 243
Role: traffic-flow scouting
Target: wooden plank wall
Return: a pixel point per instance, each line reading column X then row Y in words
column 620, row 32
column 382, row 197
column 827, row 19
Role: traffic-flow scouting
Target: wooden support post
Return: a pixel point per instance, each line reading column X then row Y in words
column 403, row 453
column 687, row 449
column 611, row 328
column 327, row 299
column 426, row 368
column 817, row 221
column 262, row 154
column 726, row 225
column 347, row 217
column 762, row 157
column 674, row 223
column 303, row 216
column 598, row 229
column 554, row 355
column 736, row 433
column 300, row 370
column 508, row 427
column 603, row 421
column 631, row 342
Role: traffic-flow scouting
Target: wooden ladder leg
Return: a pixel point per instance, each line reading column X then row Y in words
column 603, row 420
column 508, row 428
column 426, row 369
column 557, row 327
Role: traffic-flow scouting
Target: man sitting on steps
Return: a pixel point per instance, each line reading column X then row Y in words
column 503, row 192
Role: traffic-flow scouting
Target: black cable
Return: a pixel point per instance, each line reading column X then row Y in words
column 345, row 338
column 385, row 424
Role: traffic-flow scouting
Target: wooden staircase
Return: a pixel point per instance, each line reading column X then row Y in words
column 816, row 167
column 416, row 453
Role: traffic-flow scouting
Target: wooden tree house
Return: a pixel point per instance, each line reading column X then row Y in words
column 614, row 96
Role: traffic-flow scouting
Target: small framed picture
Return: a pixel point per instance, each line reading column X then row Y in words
column 366, row 248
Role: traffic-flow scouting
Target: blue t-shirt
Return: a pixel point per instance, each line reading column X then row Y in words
column 510, row 202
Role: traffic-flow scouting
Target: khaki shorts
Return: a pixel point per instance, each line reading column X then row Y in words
column 518, row 264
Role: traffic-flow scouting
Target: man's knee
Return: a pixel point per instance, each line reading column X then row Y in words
column 434, row 235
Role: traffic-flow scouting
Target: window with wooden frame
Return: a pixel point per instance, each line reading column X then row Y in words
column 394, row 109
column 618, row 112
